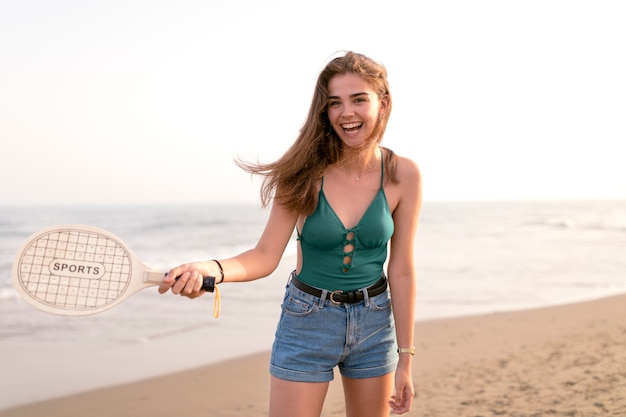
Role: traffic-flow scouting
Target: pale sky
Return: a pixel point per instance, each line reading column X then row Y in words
column 148, row 102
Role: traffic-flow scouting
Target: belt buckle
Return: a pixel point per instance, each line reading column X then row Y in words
column 332, row 295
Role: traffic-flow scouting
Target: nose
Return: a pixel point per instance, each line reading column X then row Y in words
column 347, row 110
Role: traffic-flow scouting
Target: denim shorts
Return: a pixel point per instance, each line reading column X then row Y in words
column 314, row 336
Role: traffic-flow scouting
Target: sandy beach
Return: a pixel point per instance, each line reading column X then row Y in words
column 558, row 361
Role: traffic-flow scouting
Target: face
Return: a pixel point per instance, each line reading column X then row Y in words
column 353, row 108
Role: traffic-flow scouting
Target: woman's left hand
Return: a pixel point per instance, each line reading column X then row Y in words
column 402, row 401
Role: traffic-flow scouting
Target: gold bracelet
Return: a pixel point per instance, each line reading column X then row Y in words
column 410, row 350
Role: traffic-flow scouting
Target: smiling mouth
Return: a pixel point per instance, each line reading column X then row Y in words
column 352, row 127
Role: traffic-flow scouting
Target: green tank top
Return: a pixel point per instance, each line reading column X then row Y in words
column 323, row 241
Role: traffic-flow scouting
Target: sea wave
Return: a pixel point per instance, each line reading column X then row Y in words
column 591, row 226
column 616, row 224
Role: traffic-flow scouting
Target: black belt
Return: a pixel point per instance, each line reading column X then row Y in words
column 340, row 297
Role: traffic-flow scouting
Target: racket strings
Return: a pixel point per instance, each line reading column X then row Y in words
column 72, row 269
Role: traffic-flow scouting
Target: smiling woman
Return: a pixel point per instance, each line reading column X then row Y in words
column 339, row 287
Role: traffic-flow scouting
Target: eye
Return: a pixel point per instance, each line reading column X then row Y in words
column 334, row 103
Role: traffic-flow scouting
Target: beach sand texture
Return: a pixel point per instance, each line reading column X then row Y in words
column 558, row 361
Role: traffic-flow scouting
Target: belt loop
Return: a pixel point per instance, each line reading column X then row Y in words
column 366, row 297
column 323, row 298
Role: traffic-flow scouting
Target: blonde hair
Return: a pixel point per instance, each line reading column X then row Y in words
column 293, row 179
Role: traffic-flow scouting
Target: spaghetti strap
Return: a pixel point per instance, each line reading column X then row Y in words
column 382, row 169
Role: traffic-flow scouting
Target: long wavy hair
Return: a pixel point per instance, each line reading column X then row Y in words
column 293, row 179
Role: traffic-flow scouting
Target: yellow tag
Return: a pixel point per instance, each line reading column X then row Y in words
column 217, row 303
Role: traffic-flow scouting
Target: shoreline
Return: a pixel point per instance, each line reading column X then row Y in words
column 557, row 360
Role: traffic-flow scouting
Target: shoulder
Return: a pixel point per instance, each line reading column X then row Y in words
column 405, row 192
column 409, row 180
column 405, row 169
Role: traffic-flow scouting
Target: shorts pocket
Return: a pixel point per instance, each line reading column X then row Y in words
column 380, row 302
column 296, row 306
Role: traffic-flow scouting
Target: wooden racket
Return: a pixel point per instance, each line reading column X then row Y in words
column 78, row 270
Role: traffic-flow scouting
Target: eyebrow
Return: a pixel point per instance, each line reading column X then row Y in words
column 351, row 96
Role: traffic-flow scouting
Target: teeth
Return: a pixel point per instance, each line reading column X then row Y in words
column 351, row 125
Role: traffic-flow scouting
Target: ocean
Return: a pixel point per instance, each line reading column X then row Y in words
column 472, row 258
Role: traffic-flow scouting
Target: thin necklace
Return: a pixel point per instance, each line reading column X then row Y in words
column 358, row 177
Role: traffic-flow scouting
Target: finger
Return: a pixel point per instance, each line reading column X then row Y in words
column 168, row 281
column 195, row 280
column 401, row 402
column 164, row 287
column 397, row 409
column 181, row 282
column 199, row 282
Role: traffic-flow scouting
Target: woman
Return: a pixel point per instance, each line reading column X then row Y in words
column 347, row 197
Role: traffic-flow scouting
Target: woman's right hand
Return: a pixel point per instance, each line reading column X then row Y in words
column 190, row 279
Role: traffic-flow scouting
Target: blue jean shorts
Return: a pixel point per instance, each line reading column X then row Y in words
column 314, row 336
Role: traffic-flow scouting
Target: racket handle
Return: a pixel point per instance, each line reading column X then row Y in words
column 208, row 283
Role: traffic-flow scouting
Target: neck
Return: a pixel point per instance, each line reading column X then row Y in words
column 357, row 164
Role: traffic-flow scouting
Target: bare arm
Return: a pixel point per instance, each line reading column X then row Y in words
column 402, row 279
column 252, row 264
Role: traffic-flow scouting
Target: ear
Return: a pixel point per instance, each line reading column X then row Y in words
column 384, row 105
